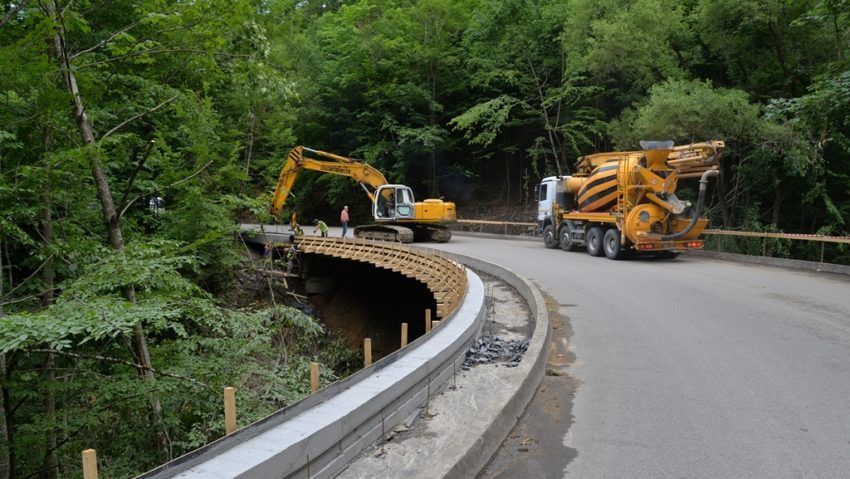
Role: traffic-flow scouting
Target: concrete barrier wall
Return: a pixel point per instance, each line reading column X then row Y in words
column 319, row 435
column 733, row 257
column 533, row 365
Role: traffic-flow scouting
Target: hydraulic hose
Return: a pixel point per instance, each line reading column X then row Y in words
column 703, row 181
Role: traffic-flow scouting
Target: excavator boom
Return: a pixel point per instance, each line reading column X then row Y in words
column 361, row 172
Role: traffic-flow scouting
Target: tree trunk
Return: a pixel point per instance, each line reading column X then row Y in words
column 11, row 283
column 7, row 455
column 432, row 118
column 51, row 460
column 777, row 202
column 779, row 51
column 507, row 179
column 544, row 115
column 110, row 216
column 724, row 202
column 248, row 150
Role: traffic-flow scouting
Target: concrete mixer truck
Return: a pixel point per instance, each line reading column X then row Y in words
column 625, row 202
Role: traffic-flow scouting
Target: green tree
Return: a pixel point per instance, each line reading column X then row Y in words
column 525, row 89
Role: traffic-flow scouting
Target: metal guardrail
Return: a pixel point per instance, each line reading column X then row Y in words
column 505, row 224
column 788, row 236
column 822, row 239
column 749, row 234
column 764, row 235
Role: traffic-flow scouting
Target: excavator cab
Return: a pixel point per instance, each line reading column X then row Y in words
column 393, row 202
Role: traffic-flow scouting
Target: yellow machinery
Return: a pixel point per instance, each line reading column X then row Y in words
column 397, row 215
column 624, row 202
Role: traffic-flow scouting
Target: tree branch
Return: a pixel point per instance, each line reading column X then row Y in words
column 167, row 50
column 120, row 361
column 135, row 117
column 12, row 11
column 27, row 278
column 123, row 201
column 130, row 203
column 105, row 41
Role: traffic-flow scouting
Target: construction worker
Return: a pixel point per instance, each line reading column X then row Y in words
column 267, row 256
column 343, row 218
column 296, row 228
column 320, row 226
column 291, row 257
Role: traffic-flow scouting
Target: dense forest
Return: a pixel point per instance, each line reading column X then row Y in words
column 136, row 134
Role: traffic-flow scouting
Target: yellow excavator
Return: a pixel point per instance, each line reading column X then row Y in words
column 397, row 216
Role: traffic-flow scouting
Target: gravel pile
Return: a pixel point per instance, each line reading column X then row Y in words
column 490, row 349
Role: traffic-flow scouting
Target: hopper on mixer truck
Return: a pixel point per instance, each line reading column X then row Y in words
column 619, row 203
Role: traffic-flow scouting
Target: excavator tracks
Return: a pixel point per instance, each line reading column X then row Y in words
column 399, row 234
column 434, row 233
column 409, row 233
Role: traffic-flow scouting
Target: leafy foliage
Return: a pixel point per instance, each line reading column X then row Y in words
column 193, row 106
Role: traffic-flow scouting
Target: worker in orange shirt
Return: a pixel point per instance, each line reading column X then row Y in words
column 343, row 218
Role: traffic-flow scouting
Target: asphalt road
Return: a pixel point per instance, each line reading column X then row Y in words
column 690, row 368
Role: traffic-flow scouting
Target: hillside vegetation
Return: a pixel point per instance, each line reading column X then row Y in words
column 134, row 134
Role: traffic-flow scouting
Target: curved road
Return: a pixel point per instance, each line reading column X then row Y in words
column 691, row 368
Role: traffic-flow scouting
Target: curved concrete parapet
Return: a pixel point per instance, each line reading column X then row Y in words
column 472, row 457
column 317, row 436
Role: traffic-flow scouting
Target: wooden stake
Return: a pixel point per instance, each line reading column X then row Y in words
column 314, row 377
column 89, row 464
column 434, row 324
column 229, row 410
column 427, row 321
column 367, row 352
column 403, row 334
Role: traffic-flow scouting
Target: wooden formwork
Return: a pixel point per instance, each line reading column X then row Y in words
column 445, row 278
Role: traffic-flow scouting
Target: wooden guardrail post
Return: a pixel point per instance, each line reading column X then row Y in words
column 89, row 464
column 314, row 377
column 367, row 352
column 427, row 321
column 434, row 324
column 403, row 334
column 229, row 410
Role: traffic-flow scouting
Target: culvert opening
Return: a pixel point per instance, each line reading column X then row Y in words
column 360, row 300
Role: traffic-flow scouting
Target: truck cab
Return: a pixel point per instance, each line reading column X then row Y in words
column 546, row 193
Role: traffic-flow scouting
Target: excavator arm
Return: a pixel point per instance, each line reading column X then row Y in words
column 367, row 176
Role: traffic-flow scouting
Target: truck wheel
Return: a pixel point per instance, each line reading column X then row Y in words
column 549, row 238
column 594, row 241
column 565, row 241
column 611, row 243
